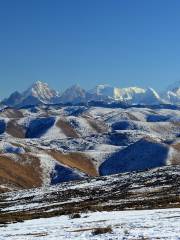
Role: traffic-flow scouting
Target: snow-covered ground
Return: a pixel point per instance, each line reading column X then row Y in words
column 141, row 224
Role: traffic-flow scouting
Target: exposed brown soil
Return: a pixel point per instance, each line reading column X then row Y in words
column 15, row 130
column 11, row 113
column 176, row 146
column 98, row 126
column 66, row 128
column 102, row 230
column 4, row 189
column 76, row 160
column 160, row 128
column 176, row 158
column 25, row 173
column 176, row 123
column 132, row 117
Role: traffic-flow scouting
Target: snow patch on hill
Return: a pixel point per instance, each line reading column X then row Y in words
column 47, row 166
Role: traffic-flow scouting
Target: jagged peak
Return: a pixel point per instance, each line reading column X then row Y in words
column 174, row 86
column 104, row 92
column 38, row 84
column 152, row 91
column 41, row 90
column 75, row 87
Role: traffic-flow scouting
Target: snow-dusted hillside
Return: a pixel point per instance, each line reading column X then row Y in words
column 53, row 160
column 153, row 189
column 46, row 145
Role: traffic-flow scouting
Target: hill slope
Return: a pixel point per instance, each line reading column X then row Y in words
column 46, row 145
column 143, row 190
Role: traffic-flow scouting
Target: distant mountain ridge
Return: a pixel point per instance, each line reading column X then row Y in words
column 41, row 93
column 172, row 93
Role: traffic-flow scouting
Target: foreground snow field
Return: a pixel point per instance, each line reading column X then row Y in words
column 141, row 224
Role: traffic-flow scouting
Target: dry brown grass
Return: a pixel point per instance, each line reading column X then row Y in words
column 41, row 234
column 176, row 146
column 176, row 124
column 15, row 130
column 106, row 196
column 4, row 189
column 176, row 156
column 66, row 128
column 21, row 174
column 11, row 113
column 76, row 160
column 102, row 230
column 98, row 126
column 25, row 172
column 75, row 215
column 132, row 117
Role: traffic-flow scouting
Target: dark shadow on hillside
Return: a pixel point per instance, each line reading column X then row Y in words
column 2, row 126
column 64, row 174
column 39, row 126
column 142, row 155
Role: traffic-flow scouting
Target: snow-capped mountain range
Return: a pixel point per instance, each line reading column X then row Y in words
column 40, row 92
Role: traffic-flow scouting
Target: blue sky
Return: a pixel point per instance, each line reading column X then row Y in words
column 89, row 42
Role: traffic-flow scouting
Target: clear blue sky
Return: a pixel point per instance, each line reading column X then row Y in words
column 63, row 42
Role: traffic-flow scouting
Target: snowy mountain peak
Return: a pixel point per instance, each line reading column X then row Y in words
column 152, row 92
column 73, row 94
column 75, row 87
column 38, row 92
column 105, row 91
column 39, row 83
column 174, row 87
column 172, row 93
column 41, row 91
column 130, row 93
column 151, row 97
